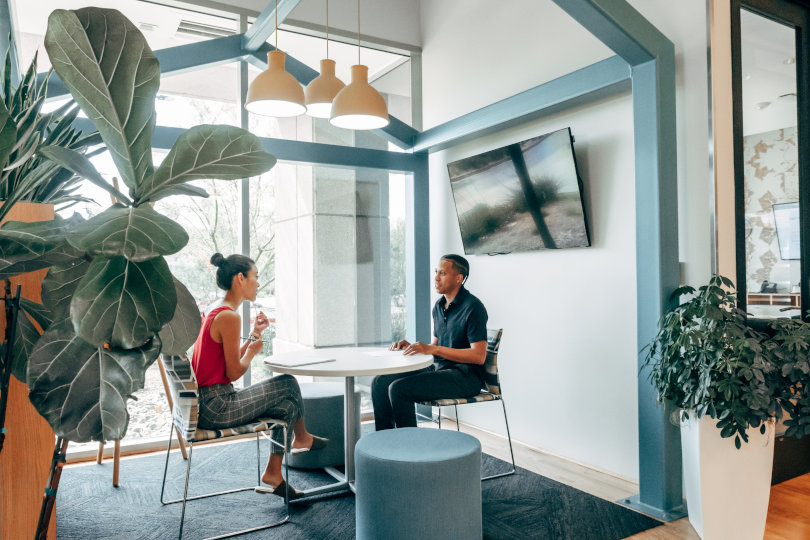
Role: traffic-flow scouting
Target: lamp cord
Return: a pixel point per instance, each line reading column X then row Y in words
column 276, row 24
column 358, row 32
column 327, row 29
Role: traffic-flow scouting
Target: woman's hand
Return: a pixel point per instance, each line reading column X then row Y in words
column 261, row 324
column 255, row 347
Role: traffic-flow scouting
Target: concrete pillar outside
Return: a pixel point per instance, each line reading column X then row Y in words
column 332, row 250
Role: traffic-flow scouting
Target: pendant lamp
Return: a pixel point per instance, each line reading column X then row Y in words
column 321, row 91
column 275, row 92
column 359, row 105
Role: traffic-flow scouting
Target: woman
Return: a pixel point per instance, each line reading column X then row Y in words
column 218, row 360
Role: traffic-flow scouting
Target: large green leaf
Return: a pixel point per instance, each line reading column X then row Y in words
column 208, row 151
column 8, row 134
column 137, row 233
column 183, row 329
column 25, row 338
column 60, row 283
column 106, row 64
column 123, row 303
column 80, row 165
column 25, row 247
column 182, row 189
column 82, row 390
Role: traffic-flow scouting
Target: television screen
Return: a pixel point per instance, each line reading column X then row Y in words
column 786, row 217
column 522, row 197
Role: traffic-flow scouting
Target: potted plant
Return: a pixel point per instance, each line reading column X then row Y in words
column 30, row 187
column 110, row 302
column 731, row 384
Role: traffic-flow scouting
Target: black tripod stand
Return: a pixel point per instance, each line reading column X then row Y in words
column 12, row 305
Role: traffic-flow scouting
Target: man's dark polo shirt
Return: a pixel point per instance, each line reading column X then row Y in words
column 464, row 322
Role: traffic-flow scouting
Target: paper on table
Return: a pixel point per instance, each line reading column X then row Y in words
column 384, row 352
column 295, row 362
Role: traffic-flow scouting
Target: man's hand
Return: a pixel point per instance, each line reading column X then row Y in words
column 399, row 346
column 417, row 348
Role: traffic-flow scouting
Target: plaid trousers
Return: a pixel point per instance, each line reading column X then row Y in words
column 222, row 406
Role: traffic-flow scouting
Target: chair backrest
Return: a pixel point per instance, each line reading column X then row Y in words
column 183, row 387
column 492, row 381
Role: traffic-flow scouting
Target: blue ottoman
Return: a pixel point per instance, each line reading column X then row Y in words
column 323, row 411
column 415, row 483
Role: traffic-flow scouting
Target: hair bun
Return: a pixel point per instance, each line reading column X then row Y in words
column 217, row 259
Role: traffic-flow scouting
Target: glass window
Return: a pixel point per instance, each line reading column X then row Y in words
column 339, row 259
column 163, row 26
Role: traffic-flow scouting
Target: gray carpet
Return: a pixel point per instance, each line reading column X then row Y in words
column 524, row 505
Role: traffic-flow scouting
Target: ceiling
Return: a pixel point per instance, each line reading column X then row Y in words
column 171, row 25
column 769, row 74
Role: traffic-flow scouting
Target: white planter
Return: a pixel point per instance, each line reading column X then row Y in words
column 727, row 490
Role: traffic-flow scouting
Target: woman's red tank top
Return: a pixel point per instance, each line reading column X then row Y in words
column 208, row 358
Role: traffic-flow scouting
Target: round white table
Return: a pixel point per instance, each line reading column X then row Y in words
column 347, row 362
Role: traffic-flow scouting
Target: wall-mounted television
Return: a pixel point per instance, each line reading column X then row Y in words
column 786, row 217
column 524, row 196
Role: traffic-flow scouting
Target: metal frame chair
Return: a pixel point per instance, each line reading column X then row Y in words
column 492, row 392
column 183, row 388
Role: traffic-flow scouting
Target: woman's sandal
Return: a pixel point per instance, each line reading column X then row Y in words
column 280, row 490
column 318, row 443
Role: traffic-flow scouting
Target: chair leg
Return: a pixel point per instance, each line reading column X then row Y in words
column 186, row 498
column 258, row 461
column 185, row 491
column 166, row 467
column 455, row 407
column 180, row 443
column 100, row 455
column 116, row 461
column 511, row 451
column 440, row 416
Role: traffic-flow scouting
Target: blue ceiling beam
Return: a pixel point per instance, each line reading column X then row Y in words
column 265, row 24
column 599, row 80
column 619, row 26
column 180, row 59
column 331, row 155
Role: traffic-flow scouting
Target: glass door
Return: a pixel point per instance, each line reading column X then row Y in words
column 769, row 63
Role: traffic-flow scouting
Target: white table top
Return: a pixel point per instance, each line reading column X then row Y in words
column 350, row 362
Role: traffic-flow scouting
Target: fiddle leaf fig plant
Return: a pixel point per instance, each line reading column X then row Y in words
column 109, row 292
column 706, row 359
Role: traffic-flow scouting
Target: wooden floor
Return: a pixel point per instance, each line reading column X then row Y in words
column 788, row 513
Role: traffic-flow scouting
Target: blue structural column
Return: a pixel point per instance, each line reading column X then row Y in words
column 417, row 251
column 658, row 274
column 651, row 57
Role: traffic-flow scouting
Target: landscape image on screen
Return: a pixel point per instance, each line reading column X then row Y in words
column 522, row 197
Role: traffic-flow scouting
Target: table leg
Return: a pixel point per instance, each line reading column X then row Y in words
column 345, row 479
column 350, row 406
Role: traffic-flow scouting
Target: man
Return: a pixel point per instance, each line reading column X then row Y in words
column 459, row 349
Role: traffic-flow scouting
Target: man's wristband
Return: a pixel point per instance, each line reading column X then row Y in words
column 254, row 335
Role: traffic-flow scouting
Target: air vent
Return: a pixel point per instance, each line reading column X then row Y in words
column 190, row 28
column 147, row 27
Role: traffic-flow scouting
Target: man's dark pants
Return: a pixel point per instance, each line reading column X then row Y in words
column 394, row 396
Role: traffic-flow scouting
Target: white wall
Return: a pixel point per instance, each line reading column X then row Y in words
column 568, row 358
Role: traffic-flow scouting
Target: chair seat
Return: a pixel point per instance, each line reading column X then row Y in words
column 483, row 396
column 262, row 424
